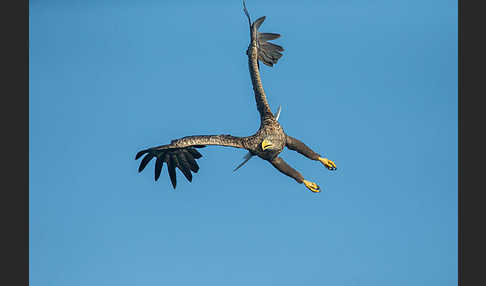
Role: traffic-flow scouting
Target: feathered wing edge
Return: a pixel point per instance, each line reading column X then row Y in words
column 182, row 158
column 182, row 154
column 268, row 53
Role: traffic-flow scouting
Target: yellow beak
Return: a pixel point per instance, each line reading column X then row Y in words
column 266, row 145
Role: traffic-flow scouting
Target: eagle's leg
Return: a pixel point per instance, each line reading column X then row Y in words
column 299, row 146
column 283, row 167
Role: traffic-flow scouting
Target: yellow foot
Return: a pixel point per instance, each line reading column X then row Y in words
column 328, row 163
column 312, row 186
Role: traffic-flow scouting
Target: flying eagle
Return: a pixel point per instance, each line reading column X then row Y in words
column 266, row 143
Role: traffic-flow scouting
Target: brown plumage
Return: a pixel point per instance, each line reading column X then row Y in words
column 266, row 143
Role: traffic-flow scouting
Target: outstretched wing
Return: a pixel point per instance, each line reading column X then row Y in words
column 261, row 50
column 182, row 154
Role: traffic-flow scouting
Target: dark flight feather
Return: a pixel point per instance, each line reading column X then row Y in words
column 139, row 154
column 183, row 160
column 184, row 167
column 171, row 165
column 194, row 153
column 192, row 162
column 182, row 157
column 258, row 22
column 145, row 161
column 267, row 36
column 268, row 53
column 158, row 167
column 273, row 48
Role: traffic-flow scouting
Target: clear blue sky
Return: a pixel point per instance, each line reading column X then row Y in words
column 370, row 84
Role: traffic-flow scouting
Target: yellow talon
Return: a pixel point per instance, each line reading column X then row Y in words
column 328, row 163
column 312, row 186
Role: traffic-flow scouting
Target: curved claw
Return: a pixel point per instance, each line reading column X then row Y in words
column 328, row 163
column 313, row 187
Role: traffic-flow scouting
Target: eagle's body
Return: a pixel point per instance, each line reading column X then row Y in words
column 274, row 132
column 267, row 143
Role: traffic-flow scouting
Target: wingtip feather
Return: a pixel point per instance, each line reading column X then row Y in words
column 158, row 168
column 144, row 162
column 183, row 159
column 140, row 153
